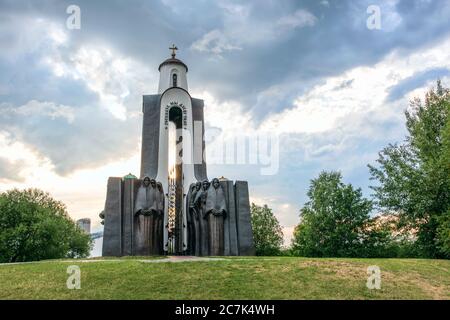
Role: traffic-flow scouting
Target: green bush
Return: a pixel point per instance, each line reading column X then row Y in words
column 267, row 233
column 335, row 221
column 33, row 226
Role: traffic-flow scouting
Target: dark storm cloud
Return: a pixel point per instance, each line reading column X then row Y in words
column 38, row 83
column 415, row 81
column 338, row 40
column 268, row 54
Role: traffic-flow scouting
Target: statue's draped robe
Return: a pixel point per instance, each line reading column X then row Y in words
column 189, row 219
column 215, row 213
column 144, row 225
column 193, row 232
column 200, row 202
column 159, row 222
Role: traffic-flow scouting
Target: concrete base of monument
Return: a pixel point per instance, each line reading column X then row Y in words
column 120, row 228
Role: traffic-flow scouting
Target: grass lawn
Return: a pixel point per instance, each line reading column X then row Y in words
column 230, row 278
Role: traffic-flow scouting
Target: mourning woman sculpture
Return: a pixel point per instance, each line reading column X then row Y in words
column 193, row 222
column 200, row 203
column 215, row 212
column 158, row 220
column 190, row 219
column 145, row 207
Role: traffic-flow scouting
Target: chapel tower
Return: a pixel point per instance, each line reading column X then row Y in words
column 173, row 145
column 156, row 214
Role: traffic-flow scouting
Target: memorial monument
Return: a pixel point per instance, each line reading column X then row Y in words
column 173, row 208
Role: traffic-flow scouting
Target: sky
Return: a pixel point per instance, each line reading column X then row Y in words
column 316, row 75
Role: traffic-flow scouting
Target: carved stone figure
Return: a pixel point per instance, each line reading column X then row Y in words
column 197, row 216
column 215, row 212
column 192, row 218
column 145, row 208
column 159, row 220
column 200, row 203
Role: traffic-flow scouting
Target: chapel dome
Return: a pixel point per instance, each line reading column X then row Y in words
column 172, row 61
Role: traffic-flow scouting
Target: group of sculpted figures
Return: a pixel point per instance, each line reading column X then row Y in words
column 205, row 219
column 149, row 217
column 206, row 213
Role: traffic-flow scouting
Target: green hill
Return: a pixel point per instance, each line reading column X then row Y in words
column 227, row 278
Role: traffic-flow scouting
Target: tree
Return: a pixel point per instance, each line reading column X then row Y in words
column 414, row 177
column 335, row 221
column 267, row 233
column 443, row 234
column 33, row 226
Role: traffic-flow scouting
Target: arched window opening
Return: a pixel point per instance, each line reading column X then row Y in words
column 174, row 80
column 175, row 190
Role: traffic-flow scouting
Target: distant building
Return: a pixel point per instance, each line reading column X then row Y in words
column 85, row 224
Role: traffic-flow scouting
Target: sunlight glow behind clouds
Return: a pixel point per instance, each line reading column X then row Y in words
column 104, row 73
column 320, row 109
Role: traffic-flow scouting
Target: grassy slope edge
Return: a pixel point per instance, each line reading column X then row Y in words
column 230, row 278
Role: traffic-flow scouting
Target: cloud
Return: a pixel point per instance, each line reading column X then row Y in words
column 33, row 107
column 242, row 30
column 78, row 106
column 105, row 73
column 360, row 92
column 417, row 80
column 89, row 138
column 344, row 84
column 11, row 170
column 281, row 62
column 215, row 42
column 116, row 80
column 300, row 18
